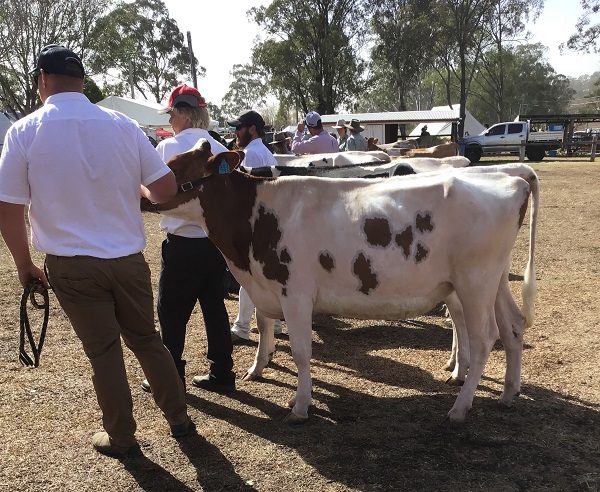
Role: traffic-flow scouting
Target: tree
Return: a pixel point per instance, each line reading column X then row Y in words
column 402, row 48
column 532, row 86
column 502, row 29
column 215, row 113
column 459, row 37
column 26, row 26
column 92, row 91
column 247, row 91
column 144, row 46
column 586, row 36
column 309, row 55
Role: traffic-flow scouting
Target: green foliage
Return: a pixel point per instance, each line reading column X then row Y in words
column 144, row 46
column 215, row 113
column 310, row 55
column 92, row 91
column 401, row 54
column 247, row 91
column 586, row 36
column 26, row 26
column 531, row 86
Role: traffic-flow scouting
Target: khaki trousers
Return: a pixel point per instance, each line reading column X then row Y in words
column 106, row 299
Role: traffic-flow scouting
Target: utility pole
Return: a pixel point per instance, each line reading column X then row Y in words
column 192, row 60
column 131, row 77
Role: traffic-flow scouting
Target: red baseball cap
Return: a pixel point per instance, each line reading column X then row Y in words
column 184, row 95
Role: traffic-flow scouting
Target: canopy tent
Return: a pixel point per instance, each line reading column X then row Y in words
column 163, row 133
column 142, row 111
column 472, row 126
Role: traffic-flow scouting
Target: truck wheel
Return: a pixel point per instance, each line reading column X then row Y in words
column 473, row 154
column 535, row 154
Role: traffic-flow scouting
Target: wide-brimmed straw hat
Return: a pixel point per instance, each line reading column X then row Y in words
column 280, row 137
column 340, row 123
column 354, row 125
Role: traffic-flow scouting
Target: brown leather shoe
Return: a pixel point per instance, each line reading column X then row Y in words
column 102, row 443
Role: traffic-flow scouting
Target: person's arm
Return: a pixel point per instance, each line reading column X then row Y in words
column 14, row 232
column 350, row 144
column 161, row 190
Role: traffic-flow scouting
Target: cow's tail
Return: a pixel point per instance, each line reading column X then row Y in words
column 529, row 287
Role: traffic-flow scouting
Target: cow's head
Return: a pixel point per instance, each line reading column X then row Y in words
column 196, row 166
column 192, row 169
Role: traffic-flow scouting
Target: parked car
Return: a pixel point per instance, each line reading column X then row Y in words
column 507, row 137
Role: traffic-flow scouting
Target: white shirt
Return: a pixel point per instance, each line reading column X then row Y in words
column 180, row 143
column 79, row 168
column 258, row 155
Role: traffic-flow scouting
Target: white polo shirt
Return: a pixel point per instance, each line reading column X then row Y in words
column 182, row 142
column 79, row 168
column 258, row 155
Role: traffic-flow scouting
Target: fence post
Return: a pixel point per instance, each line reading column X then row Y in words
column 594, row 142
column 522, row 151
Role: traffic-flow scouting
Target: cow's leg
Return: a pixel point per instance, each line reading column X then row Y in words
column 266, row 346
column 480, row 321
column 298, row 318
column 511, row 323
column 460, row 356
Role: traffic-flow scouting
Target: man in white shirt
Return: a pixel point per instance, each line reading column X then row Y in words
column 249, row 134
column 79, row 167
column 192, row 268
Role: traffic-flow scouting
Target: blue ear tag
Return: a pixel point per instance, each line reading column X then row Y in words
column 224, row 167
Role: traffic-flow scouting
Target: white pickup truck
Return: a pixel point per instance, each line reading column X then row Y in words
column 507, row 137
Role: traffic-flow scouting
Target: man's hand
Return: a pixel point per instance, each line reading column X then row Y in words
column 300, row 126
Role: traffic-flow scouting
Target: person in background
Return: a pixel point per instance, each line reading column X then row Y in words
column 280, row 143
column 192, row 268
column 342, row 132
column 249, row 134
column 424, row 138
column 356, row 141
column 80, row 169
column 320, row 142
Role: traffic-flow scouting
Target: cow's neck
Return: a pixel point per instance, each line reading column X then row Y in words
column 228, row 204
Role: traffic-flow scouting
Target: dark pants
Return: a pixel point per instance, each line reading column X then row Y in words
column 192, row 270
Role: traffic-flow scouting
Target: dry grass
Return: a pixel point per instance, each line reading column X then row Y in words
column 379, row 394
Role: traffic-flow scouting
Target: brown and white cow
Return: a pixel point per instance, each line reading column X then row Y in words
column 385, row 248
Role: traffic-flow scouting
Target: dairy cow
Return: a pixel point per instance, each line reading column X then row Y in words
column 384, row 248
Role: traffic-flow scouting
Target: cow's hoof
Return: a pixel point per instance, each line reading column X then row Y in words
column 449, row 366
column 293, row 419
column 506, row 400
column 271, row 356
column 251, row 377
column 452, row 381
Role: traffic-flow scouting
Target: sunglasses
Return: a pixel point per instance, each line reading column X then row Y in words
column 239, row 127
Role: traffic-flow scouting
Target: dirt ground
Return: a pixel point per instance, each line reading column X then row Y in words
column 379, row 393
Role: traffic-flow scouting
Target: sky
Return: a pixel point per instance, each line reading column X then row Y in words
column 222, row 36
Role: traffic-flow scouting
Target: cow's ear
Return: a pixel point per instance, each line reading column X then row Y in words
column 225, row 162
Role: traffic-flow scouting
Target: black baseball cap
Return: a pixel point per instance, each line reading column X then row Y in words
column 248, row 118
column 57, row 59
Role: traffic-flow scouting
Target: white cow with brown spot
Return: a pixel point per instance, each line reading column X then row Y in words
column 370, row 249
